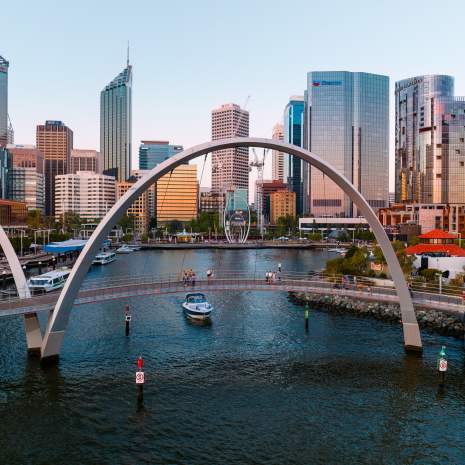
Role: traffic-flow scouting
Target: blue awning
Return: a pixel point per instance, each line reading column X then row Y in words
column 65, row 246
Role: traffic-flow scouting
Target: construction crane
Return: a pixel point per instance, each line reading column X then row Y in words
column 259, row 162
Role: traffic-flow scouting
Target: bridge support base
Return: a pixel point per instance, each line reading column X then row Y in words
column 51, row 347
column 33, row 333
column 412, row 338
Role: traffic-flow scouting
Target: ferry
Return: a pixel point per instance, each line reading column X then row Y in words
column 103, row 258
column 48, row 282
column 196, row 306
column 124, row 249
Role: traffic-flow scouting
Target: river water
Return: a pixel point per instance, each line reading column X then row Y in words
column 251, row 388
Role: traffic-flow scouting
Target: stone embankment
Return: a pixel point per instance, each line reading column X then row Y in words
column 435, row 321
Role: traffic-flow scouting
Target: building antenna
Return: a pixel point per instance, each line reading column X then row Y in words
column 127, row 60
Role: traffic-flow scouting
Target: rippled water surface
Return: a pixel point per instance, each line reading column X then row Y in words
column 251, row 388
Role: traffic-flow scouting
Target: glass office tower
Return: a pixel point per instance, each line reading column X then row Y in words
column 153, row 152
column 3, row 101
column 116, row 125
column 421, row 102
column 347, row 124
column 295, row 170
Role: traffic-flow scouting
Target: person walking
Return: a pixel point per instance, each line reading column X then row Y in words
column 279, row 267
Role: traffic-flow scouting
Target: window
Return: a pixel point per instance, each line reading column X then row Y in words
column 462, row 163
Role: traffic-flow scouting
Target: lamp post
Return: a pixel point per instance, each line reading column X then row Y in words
column 439, row 275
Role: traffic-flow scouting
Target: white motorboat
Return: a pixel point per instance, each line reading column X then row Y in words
column 103, row 258
column 48, row 282
column 125, row 249
column 338, row 250
column 196, row 306
column 134, row 247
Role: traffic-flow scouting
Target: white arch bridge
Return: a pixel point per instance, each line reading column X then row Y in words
column 50, row 343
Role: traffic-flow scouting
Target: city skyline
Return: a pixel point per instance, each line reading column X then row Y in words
column 156, row 88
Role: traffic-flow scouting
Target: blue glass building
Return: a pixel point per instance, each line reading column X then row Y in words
column 153, row 152
column 296, row 170
column 347, row 124
column 116, row 125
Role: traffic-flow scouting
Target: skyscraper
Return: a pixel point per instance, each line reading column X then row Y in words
column 116, row 125
column 153, row 152
column 3, row 101
column 421, row 102
column 86, row 160
column 55, row 140
column 27, row 176
column 230, row 167
column 347, row 124
column 296, row 170
column 277, row 167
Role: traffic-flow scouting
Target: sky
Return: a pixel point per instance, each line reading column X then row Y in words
column 189, row 57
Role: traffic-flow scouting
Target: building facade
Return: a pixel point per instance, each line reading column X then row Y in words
column 151, row 193
column 86, row 193
column 230, row 167
column 139, row 210
column 5, row 172
column 282, row 203
column 86, row 160
column 211, row 202
column 116, row 125
column 153, row 152
column 27, row 179
column 347, row 124
column 420, row 104
column 3, row 101
column 178, row 195
column 13, row 213
column 295, row 170
column 277, row 167
column 55, row 141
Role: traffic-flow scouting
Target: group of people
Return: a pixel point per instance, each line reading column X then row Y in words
column 272, row 276
column 188, row 277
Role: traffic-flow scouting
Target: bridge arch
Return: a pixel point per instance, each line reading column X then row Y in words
column 58, row 321
column 31, row 322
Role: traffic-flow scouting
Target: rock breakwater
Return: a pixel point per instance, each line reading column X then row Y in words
column 433, row 320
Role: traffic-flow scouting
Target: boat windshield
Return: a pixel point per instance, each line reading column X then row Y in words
column 196, row 299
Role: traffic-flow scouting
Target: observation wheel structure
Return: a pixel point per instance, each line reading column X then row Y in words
column 236, row 219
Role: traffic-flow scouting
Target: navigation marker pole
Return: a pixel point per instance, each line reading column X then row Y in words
column 306, row 313
column 442, row 365
column 127, row 319
column 140, row 380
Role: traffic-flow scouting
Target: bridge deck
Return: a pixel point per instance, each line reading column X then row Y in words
column 122, row 288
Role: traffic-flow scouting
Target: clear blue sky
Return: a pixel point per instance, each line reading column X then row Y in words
column 191, row 56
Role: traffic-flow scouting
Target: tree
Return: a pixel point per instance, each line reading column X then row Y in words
column 127, row 222
column 34, row 219
column 286, row 224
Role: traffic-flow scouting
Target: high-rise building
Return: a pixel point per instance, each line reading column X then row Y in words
column 3, row 101
column 86, row 160
column 178, row 195
column 282, row 203
column 211, row 202
column 151, row 193
column 5, row 170
column 27, row 180
column 277, row 167
column 139, row 210
column 347, row 124
column 428, row 166
column 86, row 193
column 116, row 125
column 153, row 152
column 296, row 170
column 230, row 167
column 266, row 189
column 55, row 141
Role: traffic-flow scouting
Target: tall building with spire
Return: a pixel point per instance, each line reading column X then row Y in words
column 116, row 125
column 4, row 139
